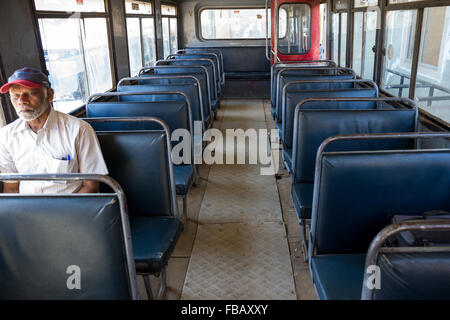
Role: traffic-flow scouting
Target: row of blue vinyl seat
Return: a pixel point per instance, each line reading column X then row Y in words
column 133, row 225
column 354, row 162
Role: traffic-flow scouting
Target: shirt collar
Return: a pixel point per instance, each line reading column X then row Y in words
column 49, row 124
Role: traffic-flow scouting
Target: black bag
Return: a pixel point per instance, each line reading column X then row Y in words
column 418, row 238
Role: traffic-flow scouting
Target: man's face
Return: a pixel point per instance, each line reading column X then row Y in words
column 30, row 103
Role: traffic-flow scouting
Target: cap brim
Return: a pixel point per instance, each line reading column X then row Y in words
column 25, row 83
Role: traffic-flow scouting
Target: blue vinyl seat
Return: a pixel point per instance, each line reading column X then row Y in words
column 66, row 247
column 354, row 198
column 315, row 121
column 140, row 162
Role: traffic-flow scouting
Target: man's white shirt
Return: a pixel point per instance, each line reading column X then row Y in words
column 62, row 137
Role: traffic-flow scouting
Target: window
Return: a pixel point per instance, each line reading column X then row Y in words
column 365, row 3
column 433, row 78
column 235, row 23
column 170, row 32
column 323, row 30
column 402, row 1
column 74, row 6
column 335, row 37
column 76, row 52
column 343, row 39
column 397, row 65
column 141, row 35
column 297, row 39
column 364, row 36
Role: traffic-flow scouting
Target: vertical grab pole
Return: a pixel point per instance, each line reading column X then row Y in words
column 275, row 33
column 267, row 31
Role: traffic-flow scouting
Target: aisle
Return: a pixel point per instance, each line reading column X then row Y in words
column 240, row 249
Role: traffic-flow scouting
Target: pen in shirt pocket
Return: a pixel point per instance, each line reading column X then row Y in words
column 67, row 158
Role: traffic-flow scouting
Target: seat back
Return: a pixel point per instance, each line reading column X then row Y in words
column 199, row 72
column 65, row 246
column 356, row 193
column 201, row 55
column 188, row 93
column 313, row 126
column 140, row 161
column 282, row 80
column 302, row 68
column 409, row 273
column 218, row 52
column 207, row 63
column 292, row 98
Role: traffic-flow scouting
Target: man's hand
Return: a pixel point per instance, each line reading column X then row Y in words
column 12, row 187
column 89, row 187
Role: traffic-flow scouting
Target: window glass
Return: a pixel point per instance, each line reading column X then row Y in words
column 365, row 3
column 340, row 4
column 323, row 30
column 70, row 5
column 98, row 64
column 343, row 39
column 77, row 56
column 433, row 75
column 358, row 42
column 166, row 36
column 402, row 1
column 138, row 7
column 168, row 10
column 234, row 23
column 134, row 45
column 173, row 35
column 335, row 37
column 400, row 26
column 298, row 29
column 62, row 44
column 148, row 41
column 370, row 41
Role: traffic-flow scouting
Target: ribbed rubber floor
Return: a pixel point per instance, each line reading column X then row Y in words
column 240, row 250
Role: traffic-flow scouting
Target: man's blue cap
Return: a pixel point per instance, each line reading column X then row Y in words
column 27, row 77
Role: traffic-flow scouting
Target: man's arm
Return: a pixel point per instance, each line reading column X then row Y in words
column 11, row 187
column 89, row 187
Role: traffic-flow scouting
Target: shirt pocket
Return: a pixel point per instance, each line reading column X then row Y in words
column 59, row 166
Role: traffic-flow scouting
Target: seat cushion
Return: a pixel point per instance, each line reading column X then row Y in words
column 154, row 239
column 184, row 177
column 287, row 157
column 302, row 195
column 338, row 276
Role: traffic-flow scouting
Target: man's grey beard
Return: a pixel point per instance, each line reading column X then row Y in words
column 36, row 113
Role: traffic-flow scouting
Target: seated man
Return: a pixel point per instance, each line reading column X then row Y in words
column 44, row 140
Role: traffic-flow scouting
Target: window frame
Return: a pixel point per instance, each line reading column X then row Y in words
column 141, row 16
column 80, row 15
